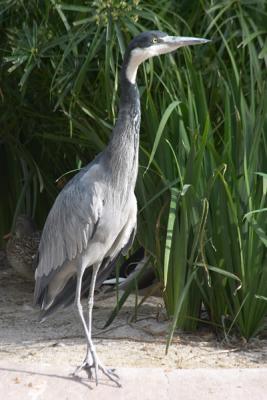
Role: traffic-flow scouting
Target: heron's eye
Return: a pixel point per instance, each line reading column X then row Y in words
column 154, row 40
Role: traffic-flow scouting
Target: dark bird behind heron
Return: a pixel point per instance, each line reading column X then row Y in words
column 22, row 246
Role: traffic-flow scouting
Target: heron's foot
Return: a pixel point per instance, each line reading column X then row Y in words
column 95, row 366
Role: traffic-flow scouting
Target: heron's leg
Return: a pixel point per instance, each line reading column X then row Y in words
column 91, row 359
column 91, row 299
column 81, row 315
column 96, row 363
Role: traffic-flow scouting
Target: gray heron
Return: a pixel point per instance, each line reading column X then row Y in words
column 93, row 219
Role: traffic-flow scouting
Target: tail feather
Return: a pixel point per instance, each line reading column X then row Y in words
column 66, row 296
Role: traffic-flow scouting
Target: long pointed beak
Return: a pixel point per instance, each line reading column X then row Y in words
column 180, row 41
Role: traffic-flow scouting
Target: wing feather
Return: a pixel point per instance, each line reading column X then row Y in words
column 72, row 220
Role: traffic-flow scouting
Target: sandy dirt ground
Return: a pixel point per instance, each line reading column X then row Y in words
column 59, row 340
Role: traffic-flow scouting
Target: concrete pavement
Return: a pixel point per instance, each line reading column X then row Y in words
column 44, row 382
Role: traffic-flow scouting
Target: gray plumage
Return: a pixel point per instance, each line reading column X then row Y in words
column 93, row 219
column 96, row 218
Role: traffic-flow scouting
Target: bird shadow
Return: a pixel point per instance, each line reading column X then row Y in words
column 70, row 377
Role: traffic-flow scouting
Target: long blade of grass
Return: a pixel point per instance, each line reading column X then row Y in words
column 175, row 195
column 178, row 307
column 160, row 130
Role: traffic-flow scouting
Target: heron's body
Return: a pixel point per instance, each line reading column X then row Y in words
column 100, row 221
column 94, row 217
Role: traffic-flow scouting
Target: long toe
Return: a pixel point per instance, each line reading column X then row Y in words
column 76, row 371
column 110, row 373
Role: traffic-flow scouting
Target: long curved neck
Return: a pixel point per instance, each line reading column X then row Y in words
column 123, row 147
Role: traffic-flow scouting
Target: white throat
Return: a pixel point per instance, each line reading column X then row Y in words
column 136, row 58
column 139, row 55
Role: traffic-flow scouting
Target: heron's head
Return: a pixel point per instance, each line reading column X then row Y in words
column 153, row 43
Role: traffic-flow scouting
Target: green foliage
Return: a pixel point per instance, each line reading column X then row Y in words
column 202, row 182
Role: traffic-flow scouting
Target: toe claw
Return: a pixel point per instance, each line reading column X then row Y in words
column 76, row 371
column 111, row 371
column 110, row 374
